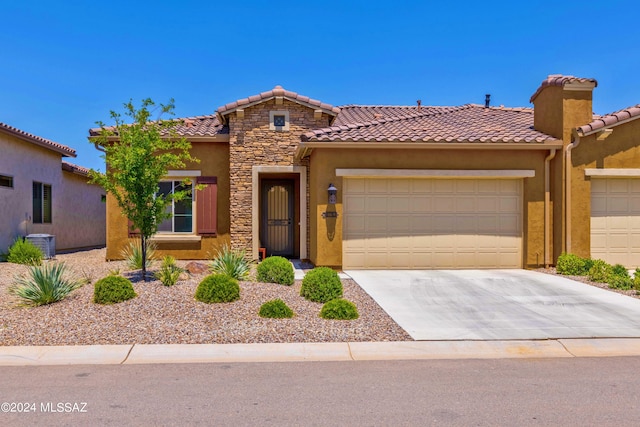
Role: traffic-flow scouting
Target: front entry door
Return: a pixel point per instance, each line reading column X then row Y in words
column 277, row 217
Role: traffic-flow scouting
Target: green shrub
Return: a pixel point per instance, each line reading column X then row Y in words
column 24, row 252
column 619, row 278
column 169, row 272
column 571, row 265
column 599, row 271
column 636, row 280
column 616, row 281
column 339, row 309
column 232, row 263
column 276, row 269
column 44, row 285
column 275, row 309
column 218, row 288
column 132, row 254
column 112, row 290
column 321, row 284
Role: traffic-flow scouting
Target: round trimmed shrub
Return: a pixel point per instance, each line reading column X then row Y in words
column 599, row 271
column 275, row 269
column 321, row 284
column 339, row 309
column 218, row 288
column 571, row 265
column 112, row 290
column 275, row 309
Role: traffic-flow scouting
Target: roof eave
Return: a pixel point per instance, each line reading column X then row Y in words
column 64, row 151
column 305, row 148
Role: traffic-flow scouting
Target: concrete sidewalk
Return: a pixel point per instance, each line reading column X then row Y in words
column 307, row 352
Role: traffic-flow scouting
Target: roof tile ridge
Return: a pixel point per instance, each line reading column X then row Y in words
column 37, row 138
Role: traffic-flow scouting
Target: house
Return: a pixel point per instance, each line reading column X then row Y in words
column 41, row 194
column 471, row 186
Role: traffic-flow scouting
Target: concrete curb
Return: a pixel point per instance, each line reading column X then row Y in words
column 306, row 352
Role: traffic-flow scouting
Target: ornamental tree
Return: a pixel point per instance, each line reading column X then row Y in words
column 138, row 155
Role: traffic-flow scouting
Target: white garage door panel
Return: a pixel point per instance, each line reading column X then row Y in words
column 432, row 223
column 615, row 220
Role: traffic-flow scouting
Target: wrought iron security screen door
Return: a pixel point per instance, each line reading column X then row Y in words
column 277, row 214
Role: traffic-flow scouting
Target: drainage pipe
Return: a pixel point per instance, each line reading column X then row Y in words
column 547, row 214
column 569, row 167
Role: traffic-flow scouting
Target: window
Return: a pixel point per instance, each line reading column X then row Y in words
column 41, row 203
column 279, row 120
column 181, row 220
column 6, row 181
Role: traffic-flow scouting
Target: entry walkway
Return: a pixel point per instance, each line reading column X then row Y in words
column 499, row 305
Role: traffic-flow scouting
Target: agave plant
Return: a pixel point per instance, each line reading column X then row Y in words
column 44, row 285
column 231, row 262
column 132, row 254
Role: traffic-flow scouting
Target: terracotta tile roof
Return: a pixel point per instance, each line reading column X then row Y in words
column 560, row 80
column 466, row 123
column 38, row 140
column 190, row 126
column 609, row 120
column 78, row 170
column 367, row 113
column 277, row 91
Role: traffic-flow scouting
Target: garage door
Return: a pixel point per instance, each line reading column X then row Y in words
column 432, row 223
column 615, row 220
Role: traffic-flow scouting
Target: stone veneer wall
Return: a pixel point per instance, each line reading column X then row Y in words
column 252, row 143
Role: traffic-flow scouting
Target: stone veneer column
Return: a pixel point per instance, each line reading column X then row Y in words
column 251, row 142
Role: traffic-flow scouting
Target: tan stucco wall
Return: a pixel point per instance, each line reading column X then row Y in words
column 214, row 161
column 557, row 111
column 324, row 162
column 77, row 213
column 620, row 150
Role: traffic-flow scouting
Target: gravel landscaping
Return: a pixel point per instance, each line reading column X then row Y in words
column 171, row 315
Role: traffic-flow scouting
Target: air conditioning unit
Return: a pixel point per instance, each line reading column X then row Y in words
column 46, row 243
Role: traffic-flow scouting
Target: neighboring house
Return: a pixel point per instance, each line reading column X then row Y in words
column 471, row 186
column 39, row 193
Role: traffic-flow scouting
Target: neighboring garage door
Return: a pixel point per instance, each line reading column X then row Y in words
column 615, row 220
column 426, row 223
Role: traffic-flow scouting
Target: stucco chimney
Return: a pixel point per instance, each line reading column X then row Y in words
column 561, row 104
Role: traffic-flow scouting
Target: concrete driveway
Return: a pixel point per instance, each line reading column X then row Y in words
column 498, row 305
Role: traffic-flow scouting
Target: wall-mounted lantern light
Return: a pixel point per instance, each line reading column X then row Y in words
column 333, row 194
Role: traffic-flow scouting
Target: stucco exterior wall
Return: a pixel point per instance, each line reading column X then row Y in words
column 326, row 234
column 214, row 161
column 620, row 150
column 77, row 213
column 83, row 223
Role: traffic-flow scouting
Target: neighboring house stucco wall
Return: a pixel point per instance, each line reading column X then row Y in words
column 619, row 150
column 82, row 222
column 77, row 213
column 26, row 163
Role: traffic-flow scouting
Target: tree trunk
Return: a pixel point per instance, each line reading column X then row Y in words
column 143, row 242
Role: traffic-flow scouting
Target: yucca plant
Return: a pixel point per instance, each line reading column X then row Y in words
column 44, row 285
column 169, row 272
column 132, row 254
column 231, row 262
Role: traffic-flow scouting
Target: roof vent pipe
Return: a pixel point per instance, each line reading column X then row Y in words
column 419, row 102
column 487, row 100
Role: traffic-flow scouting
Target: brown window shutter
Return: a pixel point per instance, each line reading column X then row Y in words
column 207, row 202
column 131, row 231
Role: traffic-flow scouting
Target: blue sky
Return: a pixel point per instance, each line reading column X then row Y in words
column 66, row 64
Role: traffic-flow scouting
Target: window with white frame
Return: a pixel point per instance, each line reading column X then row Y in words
column 181, row 220
column 279, row 120
column 41, row 203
